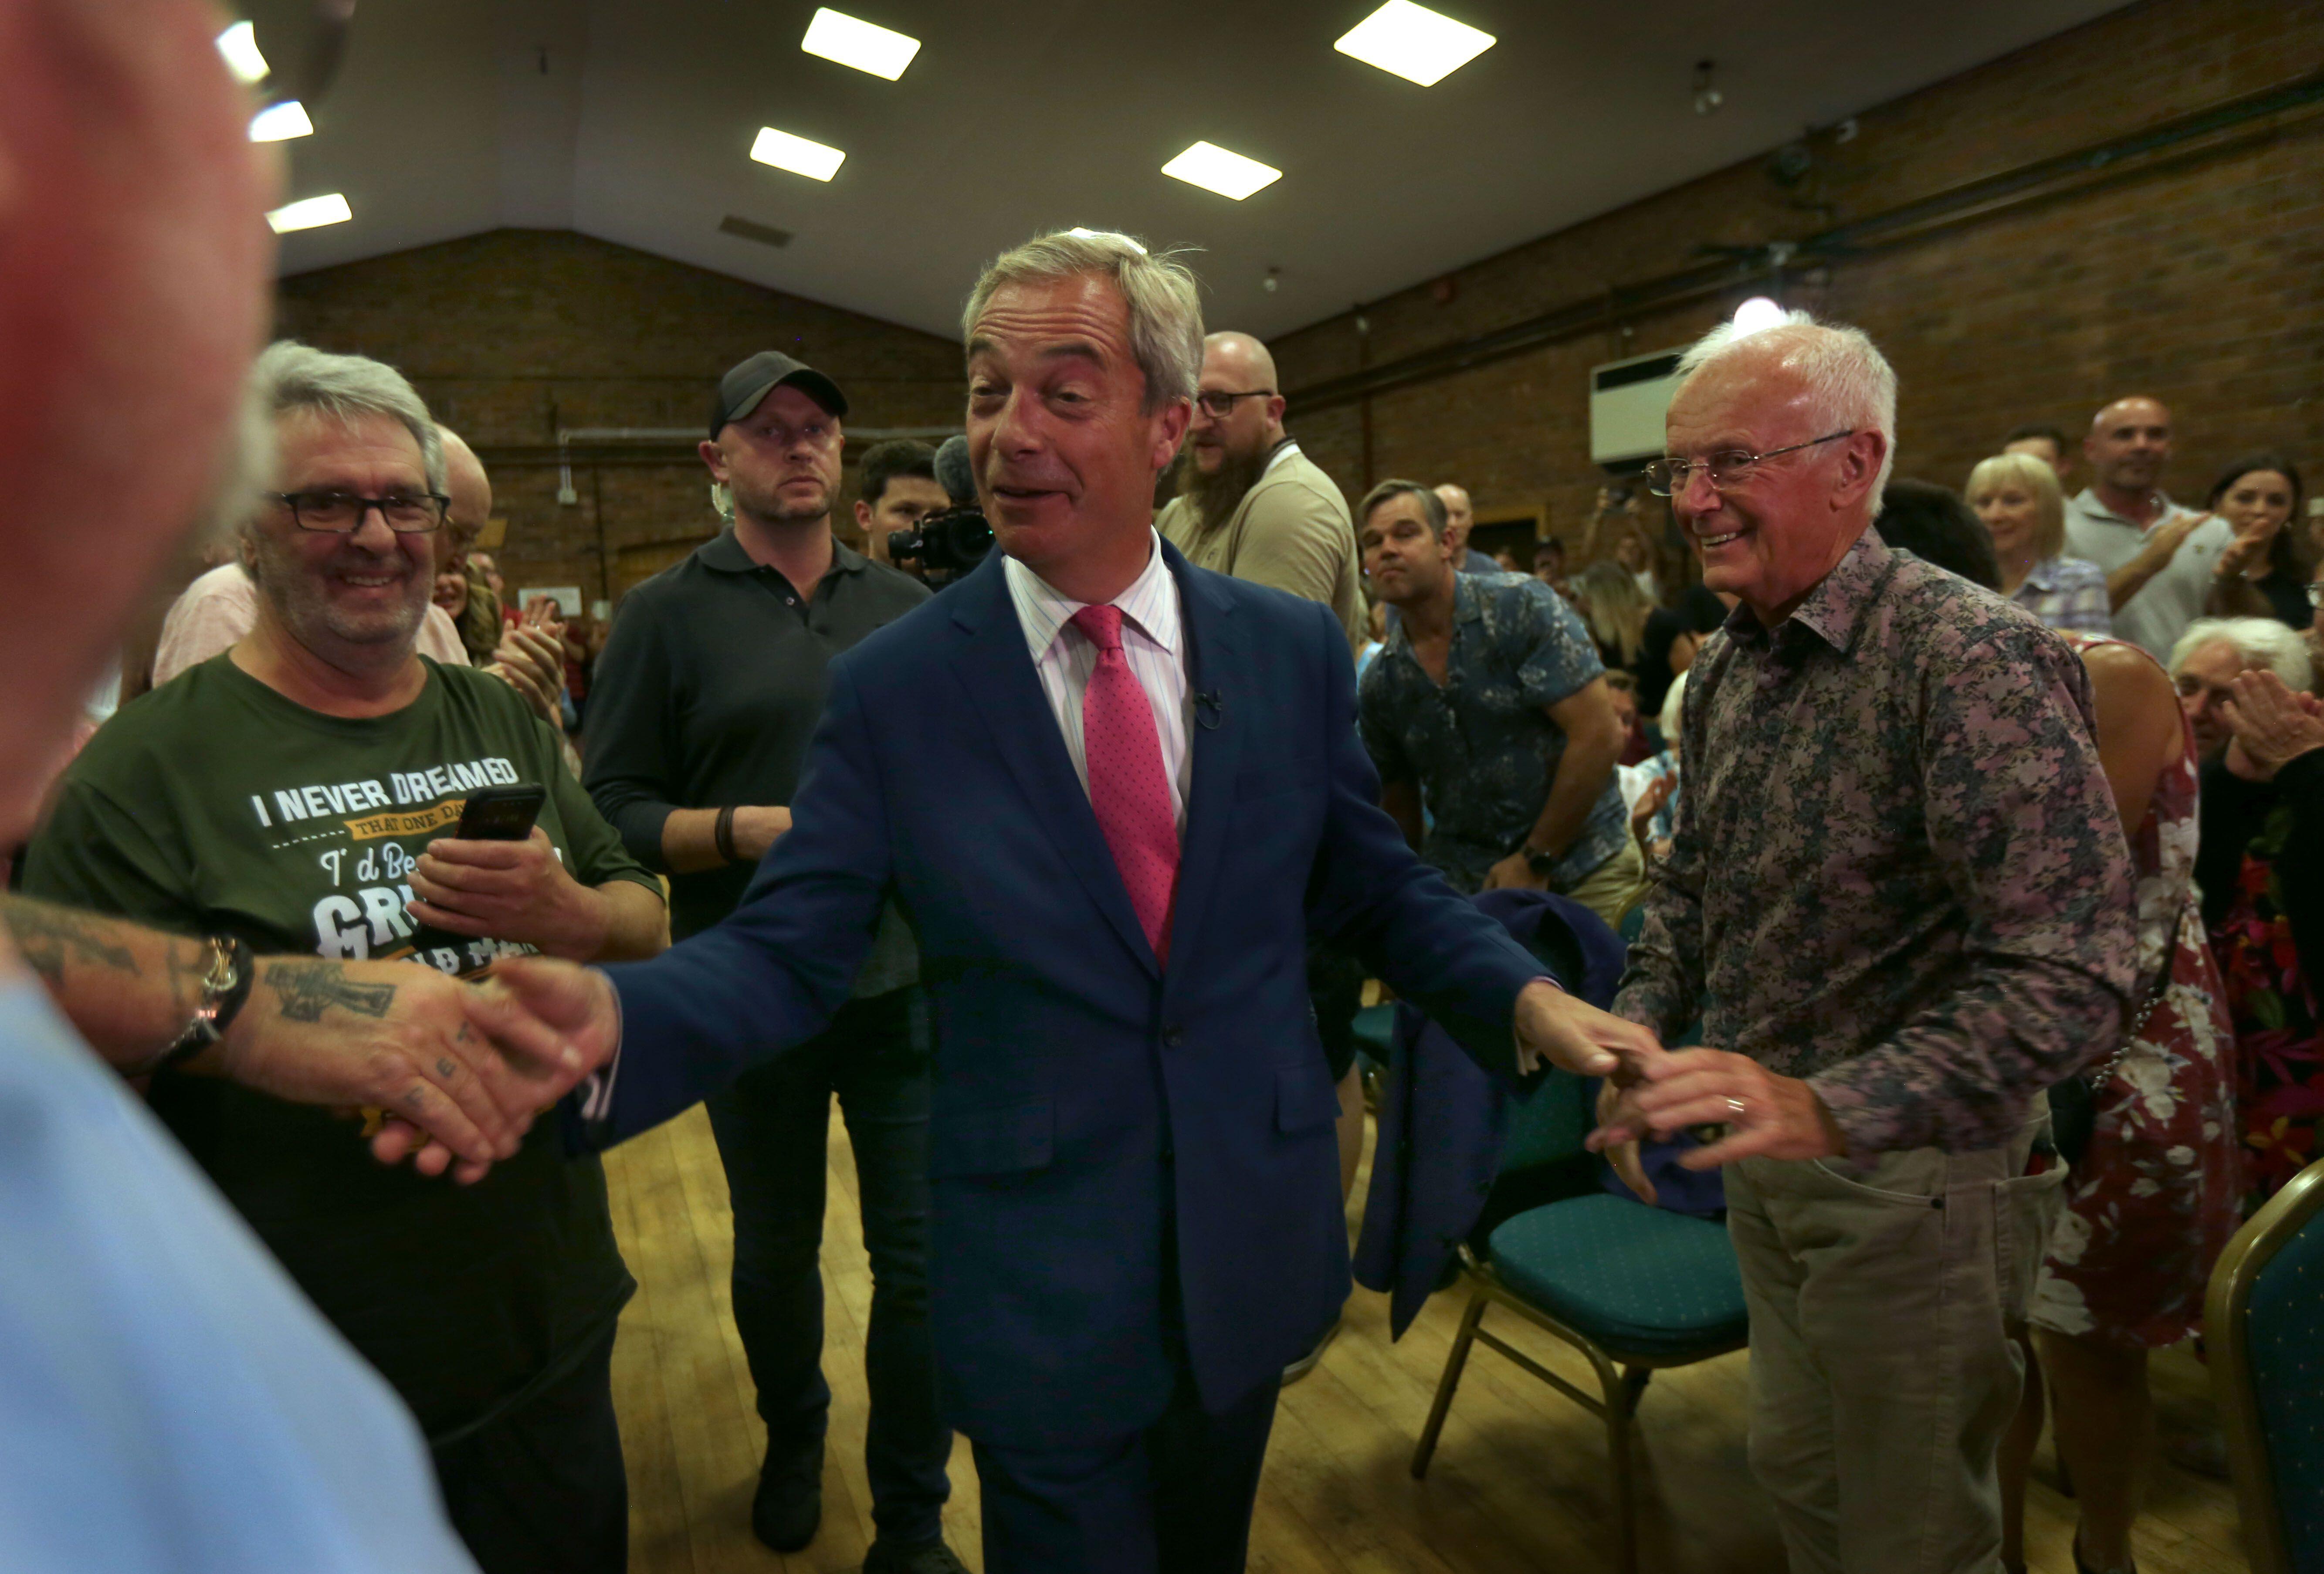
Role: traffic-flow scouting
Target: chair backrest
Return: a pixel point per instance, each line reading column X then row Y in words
column 2263, row 1319
column 1548, row 1123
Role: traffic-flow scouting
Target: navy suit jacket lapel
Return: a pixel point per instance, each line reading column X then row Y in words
column 996, row 670
column 1215, row 664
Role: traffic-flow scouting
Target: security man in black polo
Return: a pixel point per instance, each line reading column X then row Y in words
column 709, row 689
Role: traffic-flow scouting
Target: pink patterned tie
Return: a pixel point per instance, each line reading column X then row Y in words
column 1127, row 788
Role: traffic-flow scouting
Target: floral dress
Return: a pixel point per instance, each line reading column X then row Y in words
column 2157, row 1194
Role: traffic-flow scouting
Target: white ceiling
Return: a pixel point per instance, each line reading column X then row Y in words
column 632, row 120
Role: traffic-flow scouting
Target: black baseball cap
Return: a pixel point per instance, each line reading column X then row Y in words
column 741, row 388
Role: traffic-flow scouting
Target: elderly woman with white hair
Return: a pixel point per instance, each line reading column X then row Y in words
column 2261, row 867
column 2017, row 497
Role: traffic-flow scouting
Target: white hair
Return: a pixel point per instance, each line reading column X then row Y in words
column 1673, row 705
column 1165, row 302
column 289, row 375
column 1851, row 384
column 2258, row 642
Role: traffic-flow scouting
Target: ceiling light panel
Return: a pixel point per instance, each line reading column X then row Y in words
column 1414, row 43
column 309, row 213
column 280, row 122
column 239, row 46
column 797, row 155
column 837, row 36
column 1214, row 168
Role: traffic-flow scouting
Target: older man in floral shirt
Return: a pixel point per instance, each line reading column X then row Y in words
column 1900, row 898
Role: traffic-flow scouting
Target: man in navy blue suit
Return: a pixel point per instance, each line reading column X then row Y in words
column 1113, row 794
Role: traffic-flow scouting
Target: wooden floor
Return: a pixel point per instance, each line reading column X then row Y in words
column 1518, row 1483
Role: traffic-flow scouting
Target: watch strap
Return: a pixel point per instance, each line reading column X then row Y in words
column 225, row 988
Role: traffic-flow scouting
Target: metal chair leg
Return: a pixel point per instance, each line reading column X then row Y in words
column 1448, row 1382
column 1621, row 1404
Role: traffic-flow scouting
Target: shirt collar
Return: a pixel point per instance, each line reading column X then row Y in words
column 1834, row 610
column 726, row 555
column 2043, row 575
column 2087, row 502
column 1283, row 450
column 1149, row 603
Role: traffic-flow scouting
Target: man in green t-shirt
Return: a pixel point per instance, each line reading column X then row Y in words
column 300, row 792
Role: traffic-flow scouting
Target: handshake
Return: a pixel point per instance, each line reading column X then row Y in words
column 458, row 1071
column 1739, row 1108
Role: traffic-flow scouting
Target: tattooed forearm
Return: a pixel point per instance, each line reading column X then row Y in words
column 49, row 937
column 307, row 989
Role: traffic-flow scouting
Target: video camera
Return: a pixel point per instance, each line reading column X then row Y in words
column 948, row 543
column 952, row 541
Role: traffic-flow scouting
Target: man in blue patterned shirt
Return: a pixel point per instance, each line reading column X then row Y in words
column 1899, row 899
column 1488, row 709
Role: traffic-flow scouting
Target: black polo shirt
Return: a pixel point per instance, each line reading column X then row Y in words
column 711, row 684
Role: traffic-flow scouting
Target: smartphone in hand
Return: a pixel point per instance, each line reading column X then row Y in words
column 501, row 814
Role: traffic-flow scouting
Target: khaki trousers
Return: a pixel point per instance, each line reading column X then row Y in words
column 1614, row 887
column 1882, row 1296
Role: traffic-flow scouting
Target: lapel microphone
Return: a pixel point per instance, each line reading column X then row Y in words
column 1210, row 709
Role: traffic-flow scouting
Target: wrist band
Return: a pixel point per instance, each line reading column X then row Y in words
column 723, row 836
column 224, row 987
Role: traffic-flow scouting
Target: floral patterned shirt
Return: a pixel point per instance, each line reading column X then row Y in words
column 1482, row 746
column 1897, row 870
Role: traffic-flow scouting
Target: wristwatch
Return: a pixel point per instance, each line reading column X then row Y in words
column 224, row 987
column 1542, row 864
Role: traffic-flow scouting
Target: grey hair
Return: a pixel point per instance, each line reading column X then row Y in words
column 1850, row 384
column 1164, row 298
column 2258, row 642
column 289, row 375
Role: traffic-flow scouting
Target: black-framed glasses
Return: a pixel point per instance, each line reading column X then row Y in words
column 343, row 512
column 1668, row 477
column 1218, row 404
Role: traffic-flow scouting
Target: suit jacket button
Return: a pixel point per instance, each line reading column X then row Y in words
column 1172, row 1038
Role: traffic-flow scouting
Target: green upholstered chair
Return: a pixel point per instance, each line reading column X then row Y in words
column 2264, row 1324
column 1633, row 1287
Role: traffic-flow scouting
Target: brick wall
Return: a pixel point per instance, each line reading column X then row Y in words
column 2199, row 279
column 512, row 334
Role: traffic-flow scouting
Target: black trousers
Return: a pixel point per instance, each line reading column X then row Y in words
column 772, row 1129
column 541, row 1490
column 1173, row 1499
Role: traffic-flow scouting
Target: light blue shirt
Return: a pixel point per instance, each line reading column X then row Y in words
column 168, row 1400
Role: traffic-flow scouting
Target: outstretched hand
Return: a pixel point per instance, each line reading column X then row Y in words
column 397, row 1037
column 1567, row 1031
column 1764, row 1115
column 536, row 1012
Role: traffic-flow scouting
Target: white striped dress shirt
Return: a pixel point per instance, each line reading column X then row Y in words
column 1153, row 642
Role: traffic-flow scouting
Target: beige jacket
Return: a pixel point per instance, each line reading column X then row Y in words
column 1291, row 530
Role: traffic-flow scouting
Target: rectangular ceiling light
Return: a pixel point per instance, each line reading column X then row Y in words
column 239, row 45
column 837, row 36
column 310, row 212
column 1214, row 168
column 1415, row 43
column 280, row 122
column 797, row 155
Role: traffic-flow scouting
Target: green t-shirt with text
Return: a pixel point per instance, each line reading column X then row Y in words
column 213, row 805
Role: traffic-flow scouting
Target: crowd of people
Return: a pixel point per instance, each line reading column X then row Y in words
column 1970, row 830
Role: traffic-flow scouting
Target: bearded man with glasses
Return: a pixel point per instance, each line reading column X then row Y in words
column 1251, row 506
column 1900, row 900
column 302, row 792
